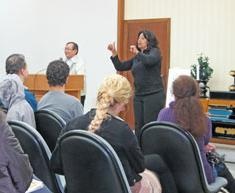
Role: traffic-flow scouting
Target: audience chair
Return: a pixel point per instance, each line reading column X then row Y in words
column 39, row 154
column 49, row 124
column 90, row 164
column 181, row 154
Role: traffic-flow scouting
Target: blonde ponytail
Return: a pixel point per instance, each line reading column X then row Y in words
column 102, row 107
column 114, row 89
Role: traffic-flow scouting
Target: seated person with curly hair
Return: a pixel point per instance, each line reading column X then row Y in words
column 66, row 106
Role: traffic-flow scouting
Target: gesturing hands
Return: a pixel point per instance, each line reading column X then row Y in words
column 210, row 147
column 133, row 49
column 112, row 48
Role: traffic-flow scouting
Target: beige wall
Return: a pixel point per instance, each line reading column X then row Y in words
column 206, row 26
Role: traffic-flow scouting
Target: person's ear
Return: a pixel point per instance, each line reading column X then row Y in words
column 23, row 73
column 67, row 80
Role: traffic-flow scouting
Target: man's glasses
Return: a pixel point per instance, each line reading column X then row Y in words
column 68, row 49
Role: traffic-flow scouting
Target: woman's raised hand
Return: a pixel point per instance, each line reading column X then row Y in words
column 133, row 49
column 112, row 48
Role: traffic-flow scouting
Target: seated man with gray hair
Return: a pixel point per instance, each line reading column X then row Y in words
column 16, row 64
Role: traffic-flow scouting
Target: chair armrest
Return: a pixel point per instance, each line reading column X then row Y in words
column 217, row 185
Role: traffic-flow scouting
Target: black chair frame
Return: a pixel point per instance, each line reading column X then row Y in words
column 180, row 152
column 90, row 164
column 49, row 124
column 39, row 154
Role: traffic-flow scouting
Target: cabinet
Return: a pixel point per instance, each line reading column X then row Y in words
column 208, row 103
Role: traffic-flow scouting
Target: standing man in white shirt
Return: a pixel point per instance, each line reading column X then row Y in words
column 76, row 64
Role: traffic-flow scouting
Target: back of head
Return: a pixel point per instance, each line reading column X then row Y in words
column 114, row 89
column 188, row 109
column 11, row 90
column 14, row 63
column 57, row 73
column 185, row 86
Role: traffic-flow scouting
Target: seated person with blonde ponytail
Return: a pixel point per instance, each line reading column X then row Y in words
column 113, row 95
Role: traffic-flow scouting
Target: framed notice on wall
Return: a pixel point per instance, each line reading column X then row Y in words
column 173, row 74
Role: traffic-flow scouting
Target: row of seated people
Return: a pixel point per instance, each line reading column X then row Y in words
column 85, row 157
column 20, row 104
column 53, row 77
column 182, row 91
column 39, row 155
column 16, row 172
column 111, row 101
column 117, row 133
column 13, row 102
column 133, row 176
column 120, row 86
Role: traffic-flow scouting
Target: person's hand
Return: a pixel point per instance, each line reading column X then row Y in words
column 210, row 147
column 133, row 49
column 111, row 47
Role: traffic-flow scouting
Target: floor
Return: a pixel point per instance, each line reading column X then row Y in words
column 229, row 151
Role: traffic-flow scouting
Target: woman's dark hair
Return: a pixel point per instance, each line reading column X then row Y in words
column 150, row 36
column 57, row 73
column 188, row 109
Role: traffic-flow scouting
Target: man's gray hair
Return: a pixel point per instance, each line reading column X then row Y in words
column 14, row 63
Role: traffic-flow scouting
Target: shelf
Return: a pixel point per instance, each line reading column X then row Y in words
column 207, row 103
column 223, row 141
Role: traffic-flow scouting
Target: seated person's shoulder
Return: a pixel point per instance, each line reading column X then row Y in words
column 2, row 108
column 121, row 123
column 75, row 101
column 79, row 123
column 30, row 98
column 71, row 97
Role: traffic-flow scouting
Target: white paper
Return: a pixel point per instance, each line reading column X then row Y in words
column 198, row 72
column 35, row 185
column 173, row 74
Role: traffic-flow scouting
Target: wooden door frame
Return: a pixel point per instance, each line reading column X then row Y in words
column 120, row 30
column 120, row 27
column 165, row 57
column 123, row 50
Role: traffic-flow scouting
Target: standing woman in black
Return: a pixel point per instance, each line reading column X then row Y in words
column 145, row 66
